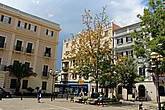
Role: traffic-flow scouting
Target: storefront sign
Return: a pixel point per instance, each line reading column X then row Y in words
column 80, row 82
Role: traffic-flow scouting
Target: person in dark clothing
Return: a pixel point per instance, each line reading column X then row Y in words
column 39, row 95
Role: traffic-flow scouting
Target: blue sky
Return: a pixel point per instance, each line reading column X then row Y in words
column 68, row 13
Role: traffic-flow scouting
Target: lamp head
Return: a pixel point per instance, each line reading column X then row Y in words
column 50, row 71
column 57, row 72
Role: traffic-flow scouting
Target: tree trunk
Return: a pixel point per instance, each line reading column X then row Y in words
column 97, row 86
column 18, row 84
column 127, row 94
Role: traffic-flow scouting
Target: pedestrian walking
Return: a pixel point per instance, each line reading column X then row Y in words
column 101, row 99
column 39, row 95
column 133, row 96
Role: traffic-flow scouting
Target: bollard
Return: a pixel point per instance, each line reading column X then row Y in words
column 67, row 96
column 140, row 106
column 0, row 97
column 21, row 95
column 162, row 106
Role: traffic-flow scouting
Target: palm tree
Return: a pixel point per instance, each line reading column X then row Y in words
column 20, row 71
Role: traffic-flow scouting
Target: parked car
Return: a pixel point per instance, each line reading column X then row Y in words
column 4, row 94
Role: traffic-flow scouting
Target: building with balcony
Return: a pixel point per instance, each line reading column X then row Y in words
column 27, row 39
column 123, row 45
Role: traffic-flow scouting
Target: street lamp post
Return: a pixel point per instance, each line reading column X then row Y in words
column 157, row 58
column 53, row 74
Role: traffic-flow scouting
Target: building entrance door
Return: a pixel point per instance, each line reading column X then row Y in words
column 141, row 89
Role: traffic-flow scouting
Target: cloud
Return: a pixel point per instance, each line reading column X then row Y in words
column 124, row 12
column 50, row 15
column 36, row 1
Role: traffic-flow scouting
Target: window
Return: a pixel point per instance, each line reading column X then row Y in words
column 141, row 71
column 15, row 62
column 129, row 53
column 5, row 19
column 106, row 33
column 74, row 76
column 32, row 27
column 27, row 64
column 67, row 53
column 24, row 84
column 129, row 39
column 29, row 48
column 13, row 83
column 45, row 71
column 22, row 24
column 44, row 84
column 48, row 52
column 49, row 32
column 121, row 53
column 19, row 45
column 2, row 42
column 67, row 45
column 120, row 41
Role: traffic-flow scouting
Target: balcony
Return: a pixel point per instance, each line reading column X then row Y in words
column 29, row 51
column 19, row 49
column 2, row 46
column 64, row 77
column 65, row 69
column 47, row 54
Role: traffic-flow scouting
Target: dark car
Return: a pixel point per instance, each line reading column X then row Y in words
column 4, row 93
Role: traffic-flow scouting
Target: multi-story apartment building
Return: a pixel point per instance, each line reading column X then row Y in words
column 27, row 39
column 73, row 80
column 123, row 45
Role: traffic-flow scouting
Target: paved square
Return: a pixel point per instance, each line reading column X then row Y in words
column 59, row 104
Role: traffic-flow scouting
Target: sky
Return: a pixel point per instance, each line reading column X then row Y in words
column 68, row 13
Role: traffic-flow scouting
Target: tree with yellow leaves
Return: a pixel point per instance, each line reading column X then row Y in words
column 91, row 47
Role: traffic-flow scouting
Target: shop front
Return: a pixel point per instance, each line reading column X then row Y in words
column 76, row 88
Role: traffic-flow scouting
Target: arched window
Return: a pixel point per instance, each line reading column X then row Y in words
column 119, row 89
column 141, row 89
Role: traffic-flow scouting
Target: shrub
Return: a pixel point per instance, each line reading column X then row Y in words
column 30, row 89
column 94, row 95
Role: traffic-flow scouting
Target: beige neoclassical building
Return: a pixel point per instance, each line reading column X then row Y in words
column 27, row 39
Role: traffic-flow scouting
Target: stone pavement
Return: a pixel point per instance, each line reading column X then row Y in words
column 62, row 104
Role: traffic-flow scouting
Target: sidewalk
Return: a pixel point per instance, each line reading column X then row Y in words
column 147, row 105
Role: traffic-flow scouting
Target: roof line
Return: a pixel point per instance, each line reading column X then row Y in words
column 28, row 15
